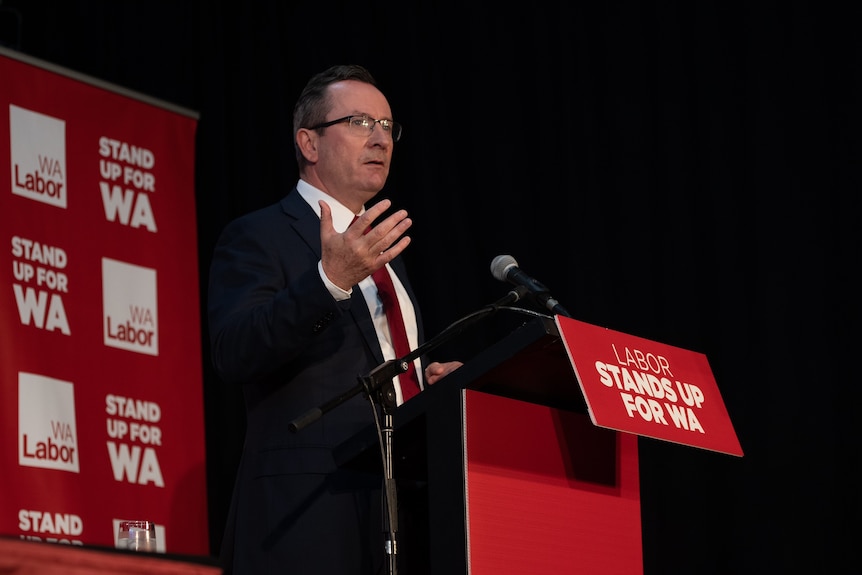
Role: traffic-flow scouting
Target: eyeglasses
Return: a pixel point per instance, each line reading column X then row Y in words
column 364, row 126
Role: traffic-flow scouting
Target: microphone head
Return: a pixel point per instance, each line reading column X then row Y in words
column 500, row 266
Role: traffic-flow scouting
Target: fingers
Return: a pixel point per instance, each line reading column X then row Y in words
column 373, row 213
column 382, row 241
column 435, row 371
column 362, row 225
column 388, row 234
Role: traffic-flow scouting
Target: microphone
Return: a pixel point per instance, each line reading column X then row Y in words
column 506, row 269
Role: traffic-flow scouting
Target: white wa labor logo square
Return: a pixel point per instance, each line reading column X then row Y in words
column 129, row 298
column 47, row 430
column 38, row 145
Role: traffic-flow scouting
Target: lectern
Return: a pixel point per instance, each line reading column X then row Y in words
column 501, row 471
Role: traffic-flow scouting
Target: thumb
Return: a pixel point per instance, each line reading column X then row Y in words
column 325, row 214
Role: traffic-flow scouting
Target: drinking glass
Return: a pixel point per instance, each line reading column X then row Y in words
column 137, row 536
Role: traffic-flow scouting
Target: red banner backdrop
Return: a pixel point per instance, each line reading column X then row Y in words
column 100, row 362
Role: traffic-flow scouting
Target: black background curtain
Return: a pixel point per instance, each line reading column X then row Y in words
column 685, row 172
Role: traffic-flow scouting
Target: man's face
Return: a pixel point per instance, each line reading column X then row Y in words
column 351, row 165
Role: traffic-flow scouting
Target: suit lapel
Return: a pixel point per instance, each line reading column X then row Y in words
column 304, row 220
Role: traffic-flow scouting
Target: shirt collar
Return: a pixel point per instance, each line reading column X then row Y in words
column 342, row 217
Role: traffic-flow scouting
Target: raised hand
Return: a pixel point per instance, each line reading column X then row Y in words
column 352, row 256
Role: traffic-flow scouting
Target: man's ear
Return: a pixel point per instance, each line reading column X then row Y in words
column 306, row 141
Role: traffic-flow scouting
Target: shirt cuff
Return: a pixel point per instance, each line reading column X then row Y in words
column 337, row 293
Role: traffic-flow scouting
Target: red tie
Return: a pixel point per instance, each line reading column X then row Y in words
column 409, row 380
column 386, row 290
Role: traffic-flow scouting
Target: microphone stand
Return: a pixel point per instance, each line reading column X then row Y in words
column 378, row 383
column 390, row 495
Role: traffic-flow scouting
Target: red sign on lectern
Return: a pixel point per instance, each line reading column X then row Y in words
column 648, row 388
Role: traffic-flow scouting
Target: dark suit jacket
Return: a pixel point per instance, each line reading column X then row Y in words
column 276, row 330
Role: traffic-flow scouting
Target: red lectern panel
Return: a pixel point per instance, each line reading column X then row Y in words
column 502, row 472
column 548, row 492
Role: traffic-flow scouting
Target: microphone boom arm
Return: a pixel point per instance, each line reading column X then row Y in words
column 389, row 369
column 382, row 375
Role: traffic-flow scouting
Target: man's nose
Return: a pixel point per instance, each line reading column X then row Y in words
column 380, row 137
